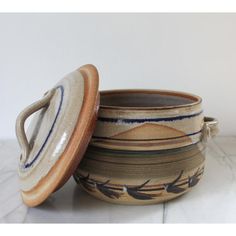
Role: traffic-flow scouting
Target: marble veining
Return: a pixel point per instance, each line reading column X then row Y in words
column 213, row 201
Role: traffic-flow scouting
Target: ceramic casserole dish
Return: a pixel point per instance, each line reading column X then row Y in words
column 121, row 146
column 148, row 146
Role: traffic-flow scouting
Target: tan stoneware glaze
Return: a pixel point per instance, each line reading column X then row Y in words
column 143, row 146
column 58, row 134
column 148, row 146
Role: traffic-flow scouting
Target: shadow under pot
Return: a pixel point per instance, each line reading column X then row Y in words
column 148, row 146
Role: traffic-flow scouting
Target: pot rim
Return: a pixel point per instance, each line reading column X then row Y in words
column 196, row 99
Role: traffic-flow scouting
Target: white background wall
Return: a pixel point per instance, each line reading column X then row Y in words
column 189, row 52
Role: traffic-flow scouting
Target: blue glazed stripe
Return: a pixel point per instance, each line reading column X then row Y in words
column 27, row 165
column 131, row 121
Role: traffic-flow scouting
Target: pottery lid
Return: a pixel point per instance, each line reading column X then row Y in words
column 58, row 134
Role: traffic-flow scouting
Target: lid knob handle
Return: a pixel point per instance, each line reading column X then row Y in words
column 20, row 122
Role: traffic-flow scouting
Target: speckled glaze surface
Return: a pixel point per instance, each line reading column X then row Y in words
column 148, row 120
column 148, row 147
column 58, row 134
column 145, row 177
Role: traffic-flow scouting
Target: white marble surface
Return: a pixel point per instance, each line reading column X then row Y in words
column 212, row 201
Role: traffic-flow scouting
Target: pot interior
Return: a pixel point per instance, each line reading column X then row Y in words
column 151, row 99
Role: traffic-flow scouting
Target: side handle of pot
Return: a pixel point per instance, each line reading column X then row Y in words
column 210, row 128
column 20, row 122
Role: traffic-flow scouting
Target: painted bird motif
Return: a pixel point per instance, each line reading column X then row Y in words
column 107, row 191
column 135, row 192
column 172, row 187
column 84, row 181
column 194, row 179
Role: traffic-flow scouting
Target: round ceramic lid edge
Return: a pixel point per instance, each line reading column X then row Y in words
column 73, row 153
